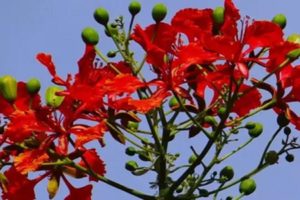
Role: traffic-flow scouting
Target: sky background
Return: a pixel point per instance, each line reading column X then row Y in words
column 33, row 26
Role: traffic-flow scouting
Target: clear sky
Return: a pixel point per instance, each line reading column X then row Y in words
column 32, row 26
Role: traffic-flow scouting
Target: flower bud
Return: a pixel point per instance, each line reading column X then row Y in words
column 8, row 87
column 282, row 120
column 173, row 103
column 159, row 12
column 133, row 126
column 280, row 20
column 33, row 86
column 247, row 186
column 111, row 54
column 130, row 151
column 294, row 38
column 293, row 54
column 226, row 174
column 134, row 7
column 192, row 158
column 256, row 130
column 52, row 99
column 218, row 15
column 271, row 157
column 101, row 16
column 90, row 36
column 290, row 158
column 53, row 186
column 131, row 165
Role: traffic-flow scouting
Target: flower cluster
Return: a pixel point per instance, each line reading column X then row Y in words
column 200, row 50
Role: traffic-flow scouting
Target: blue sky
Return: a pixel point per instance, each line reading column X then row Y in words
column 32, row 26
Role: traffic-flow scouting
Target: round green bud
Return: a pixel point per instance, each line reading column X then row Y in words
column 256, row 131
column 203, row 193
column 290, row 158
column 33, row 86
column 218, row 15
column 131, row 165
column 222, row 111
column 173, row 103
column 144, row 157
column 280, row 20
column 52, row 99
column 250, row 125
column 8, row 87
column 159, row 12
column 282, row 120
column 192, row 158
column 134, row 7
column 293, row 54
column 133, row 126
column 294, row 38
column 90, row 36
column 247, row 186
column 130, row 151
column 226, row 174
column 287, row 130
column 111, row 54
column 101, row 16
column 271, row 157
column 210, row 120
column 179, row 189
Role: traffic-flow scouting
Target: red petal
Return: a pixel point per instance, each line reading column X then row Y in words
column 263, row 34
column 30, row 160
column 193, row 22
column 85, row 135
column 231, row 16
column 46, row 60
column 247, row 102
column 18, row 186
column 83, row 193
column 95, row 163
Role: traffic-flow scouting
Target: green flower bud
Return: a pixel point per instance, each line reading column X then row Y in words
column 179, row 189
column 111, row 54
column 210, row 120
column 287, row 130
column 293, row 54
column 130, row 151
column 280, row 20
column 159, row 12
column 143, row 156
column 33, row 86
column 90, row 36
column 134, row 7
column 226, row 174
column 294, row 38
column 192, row 158
column 218, row 15
column 250, row 125
column 51, row 98
column 247, row 186
column 290, row 158
column 256, row 131
column 53, row 186
column 173, row 103
column 221, row 111
column 203, row 193
column 271, row 157
column 101, row 16
column 131, row 165
column 8, row 87
column 282, row 120
column 133, row 126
